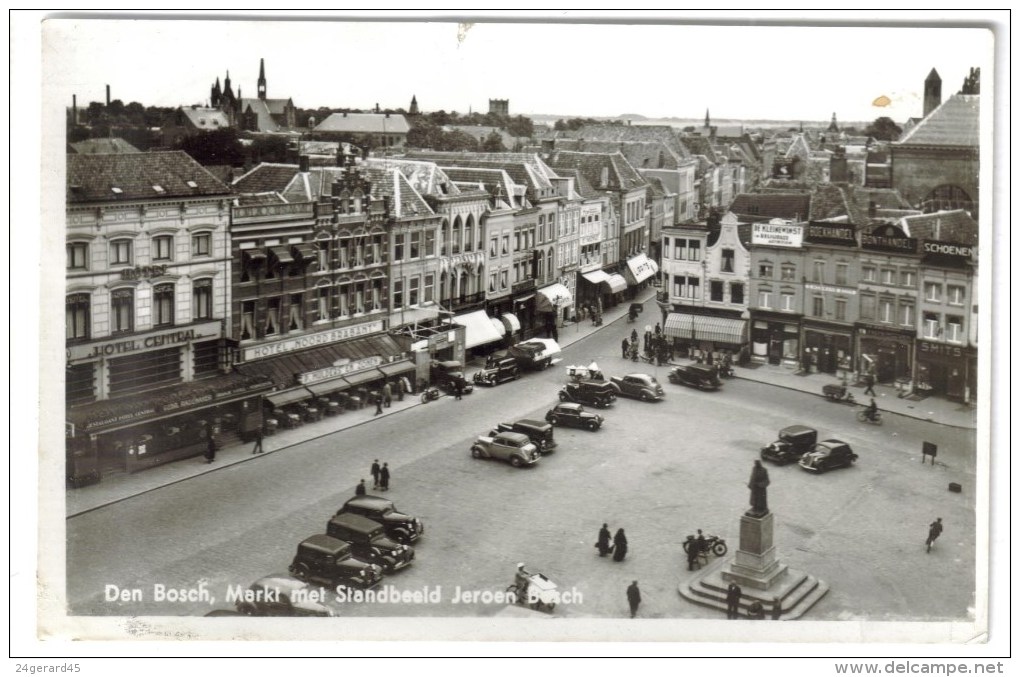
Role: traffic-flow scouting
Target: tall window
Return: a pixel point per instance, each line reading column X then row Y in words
column 716, row 290
column 693, row 250
column 818, row 272
column 907, row 278
column 414, row 291
column 201, row 244
column 120, row 251
column 322, row 256
column 295, row 317
column 344, row 297
column 841, row 273
column 322, row 304
column 430, row 242
column 415, row 246
column 727, row 260
column 506, row 244
column 694, row 288
column 429, row 291
column 932, row 291
column 162, row 248
column 398, row 247
column 888, row 276
column 123, row 316
column 868, row 273
column 77, row 316
column 273, row 317
column 202, row 299
column 679, row 249
column 736, row 292
column 493, row 246
column 786, row 300
column 163, row 304
column 955, row 295
column 954, row 328
column 885, row 310
column 398, row 293
column 818, row 306
column 247, row 320
column 841, row 309
column 906, row 314
column 764, row 299
column 77, row 256
column 931, row 325
column 867, row 307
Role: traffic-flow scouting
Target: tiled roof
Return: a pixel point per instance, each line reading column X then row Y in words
column 112, row 145
column 954, row 123
column 581, row 184
column 206, row 118
column 700, row 145
column 426, row 177
column 621, row 175
column 772, row 205
column 640, row 154
column 258, row 199
column 386, row 182
column 526, row 169
column 634, row 134
column 364, row 123
column 492, row 180
column 277, row 106
column 953, row 226
column 92, row 177
column 266, row 123
column 265, row 178
column 481, row 132
column 828, row 201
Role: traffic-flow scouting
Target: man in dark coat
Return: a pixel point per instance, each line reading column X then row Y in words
column 257, row 449
column 458, row 387
column 633, row 598
column 603, row 543
column 387, row 394
column 625, row 347
column 360, row 489
column 619, row 546
column 733, row 593
column 869, row 380
column 210, row 449
column 378, row 404
column 934, row 531
column 375, row 474
column 692, row 554
column 384, row 477
column 701, row 544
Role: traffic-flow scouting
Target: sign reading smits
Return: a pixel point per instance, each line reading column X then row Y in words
column 777, row 235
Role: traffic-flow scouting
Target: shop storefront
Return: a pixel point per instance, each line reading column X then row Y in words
column 943, row 369
column 706, row 333
column 775, row 339
column 548, row 302
column 827, row 348
column 640, row 271
column 886, row 353
column 482, row 333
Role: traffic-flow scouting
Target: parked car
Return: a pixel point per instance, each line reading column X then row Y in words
column 596, row 393
column 281, row 595
column 498, row 369
column 698, row 376
column 794, row 441
column 514, row 448
column 369, row 542
column 328, row 561
column 639, row 386
column 574, row 415
column 539, row 432
column 447, row 374
column 535, row 354
column 398, row 526
column 826, row 455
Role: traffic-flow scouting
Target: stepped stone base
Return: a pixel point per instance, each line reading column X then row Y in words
column 797, row 591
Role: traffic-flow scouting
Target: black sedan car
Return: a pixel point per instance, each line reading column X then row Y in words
column 398, row 526
column 793, row 442
column 698, row 376
column 827, row 455
column 573, row 415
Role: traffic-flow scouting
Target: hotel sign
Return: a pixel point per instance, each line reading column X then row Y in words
column 777, row 235
column 336, row 371
column 141, row 342
column 831, row 233
column 310, row 340
column 889, row 239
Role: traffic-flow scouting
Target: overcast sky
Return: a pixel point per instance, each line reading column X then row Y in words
column 770, row 72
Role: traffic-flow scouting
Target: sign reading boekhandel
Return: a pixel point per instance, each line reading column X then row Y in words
column 777, row 234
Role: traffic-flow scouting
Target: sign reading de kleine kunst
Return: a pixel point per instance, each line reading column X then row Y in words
column 310, row 340
column 777, row 234
column 140, row 342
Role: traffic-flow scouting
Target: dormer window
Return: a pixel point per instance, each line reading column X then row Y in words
column 158, row 189
column 116, row 190
column 192, row 184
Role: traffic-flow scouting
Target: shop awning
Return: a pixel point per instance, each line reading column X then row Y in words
column 511, row 322
column 640, row 268
column 363, row 377
column 326, row 387
column 479, row 329
column 497, row 324
column 616, row 284
column 679, row 325
column 399, row 367
column 596, row 276
column 283, row 367
column 282, row 254
column 282, row 399
column 553, row 297
column 719, row 329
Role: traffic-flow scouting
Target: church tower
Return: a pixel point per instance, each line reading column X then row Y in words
column 833, row 126
column 262, row 79
column 228, row 93
column 413, row 110
column 932, row 92
column 215, row 93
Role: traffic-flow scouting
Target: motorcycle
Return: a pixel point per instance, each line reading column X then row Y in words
column 713, row 544
column 430, row 393
column 725, row 371
column 533, row 590
column 865, row 417
column 838, row 392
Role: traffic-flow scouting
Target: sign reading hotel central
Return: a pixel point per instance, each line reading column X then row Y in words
column 777, row 234
column 310, row 340
column 889, row 238
column 147, row 341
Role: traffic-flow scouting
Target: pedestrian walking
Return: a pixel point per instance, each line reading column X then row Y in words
column 658, row 329
column 692, row 554
column 360, row 489
column 934, row 531
column 777, row 608
column 733, row 593
column 458, row 387
column 633, row 598
column 384, row 477
column 619, row 546
column 210, row 449
column 806, row 362
column 633, row 335
column 603, row 543
column 387, row 393
column 375, row 473
column 378, row 404
column 869, row 381
column 257, row 449
column 625, row 347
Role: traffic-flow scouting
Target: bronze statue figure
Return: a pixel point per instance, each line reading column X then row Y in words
column 759, row 495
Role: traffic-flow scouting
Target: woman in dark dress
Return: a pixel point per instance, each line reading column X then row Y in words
column 603, row 542
column 619, row 546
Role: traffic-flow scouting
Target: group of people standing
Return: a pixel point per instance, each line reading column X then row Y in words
column 656, row 346
column 616, row 546
column 380, row 478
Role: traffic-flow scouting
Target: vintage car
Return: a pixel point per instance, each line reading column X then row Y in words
column 596, row 393
column 535, row 354
column 398, row 526
column 446, row 374
column 282, row 595
column 574, row 415
column 498, row 369
column 539, row 432
column 698, row 376
column 793, row 442
column 826, row 455
column 515, row 448
column 369, row 542
column 328, row 561
column 639, row 386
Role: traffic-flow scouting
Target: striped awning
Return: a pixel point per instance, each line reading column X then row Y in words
column 616, row 283
column 282, row 399
column 479, row 329
column 398, row 367
column 678, row 325
column 511, row 322
column 719, row 329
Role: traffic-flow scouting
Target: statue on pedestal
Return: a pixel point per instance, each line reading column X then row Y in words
column 759, row 496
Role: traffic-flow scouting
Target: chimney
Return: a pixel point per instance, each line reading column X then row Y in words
column 108, row 95
column 74, row 109
column 303, row 163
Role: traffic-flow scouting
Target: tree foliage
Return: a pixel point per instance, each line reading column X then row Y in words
column 218, row 147
column 493, row 143
column 884, row 129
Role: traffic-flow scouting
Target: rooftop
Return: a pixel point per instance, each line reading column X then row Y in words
column 104, row 177
column 954, row 123
column 364, row 123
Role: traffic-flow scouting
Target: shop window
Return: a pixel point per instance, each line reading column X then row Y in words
column 933, row 292
column 841, row 273
column 954, row 328
column 715, row 290
column 931, row 326
column 398, row 294
column 414, row 249
column 906, row 314
column 247, row 320
column 77, row 256
column 818, row 272
column 296, row 319
column 868, row 273
column 413, row 291
column 788, row 272
column 273, row 317
column 78, row 316
column 736, row 292
column 120, row 252
column 841, row 309
column 162, row 248
column 201, row 244
column 955, row 295
column 146, row 371
column 764, row 299
column 202, row 299
column 162, row 305
column 818, row 306
column 787, row 302
column 727, row 260
column 123, row 316
column 765, row 270
column 907, row 278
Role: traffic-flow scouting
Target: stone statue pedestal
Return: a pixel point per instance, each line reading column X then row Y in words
column 755, row 564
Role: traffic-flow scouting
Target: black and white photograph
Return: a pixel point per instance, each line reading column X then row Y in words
column 552, row 328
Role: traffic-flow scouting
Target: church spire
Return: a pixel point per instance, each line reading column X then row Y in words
column 833, row 126
column 262, row 79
